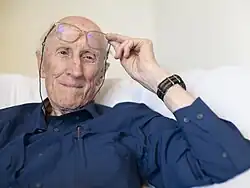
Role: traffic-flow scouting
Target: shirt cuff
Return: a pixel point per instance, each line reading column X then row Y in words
column 205, row 121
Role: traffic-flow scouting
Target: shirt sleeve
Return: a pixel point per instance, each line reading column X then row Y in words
column 199, row 148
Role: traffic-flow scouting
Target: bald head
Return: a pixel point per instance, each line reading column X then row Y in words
column 81, row 22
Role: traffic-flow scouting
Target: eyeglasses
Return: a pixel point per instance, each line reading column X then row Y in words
column 71, row 33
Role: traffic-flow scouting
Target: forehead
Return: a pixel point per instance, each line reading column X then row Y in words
column 81, row 22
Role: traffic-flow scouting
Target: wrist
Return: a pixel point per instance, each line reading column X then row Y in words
column 157, row 75
column 176, row 97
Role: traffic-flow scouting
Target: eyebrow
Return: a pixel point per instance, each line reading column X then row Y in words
column 83, row 49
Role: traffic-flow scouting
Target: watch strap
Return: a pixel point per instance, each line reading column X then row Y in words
column 167, row 83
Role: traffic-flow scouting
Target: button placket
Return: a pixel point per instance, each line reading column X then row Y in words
column 81, row 131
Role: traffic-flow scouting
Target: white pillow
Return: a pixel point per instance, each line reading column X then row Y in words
column 118, row 90
column 227, row 91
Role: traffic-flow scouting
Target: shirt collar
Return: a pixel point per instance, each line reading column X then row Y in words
column 91, row 107
column 39, row 113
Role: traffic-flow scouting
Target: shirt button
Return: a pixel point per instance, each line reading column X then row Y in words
column 224, row 155
column 56, row 129
column 77, row 117
column 186, row 120
column 40, row 154
column 38, row 185
column 199, row 116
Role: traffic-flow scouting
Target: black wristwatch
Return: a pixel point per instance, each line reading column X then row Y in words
column 167, row 83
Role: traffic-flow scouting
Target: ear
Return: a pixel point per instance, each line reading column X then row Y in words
column 40, row 64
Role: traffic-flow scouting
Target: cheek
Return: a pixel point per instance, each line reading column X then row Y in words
column 91, row 72
column 54, row 67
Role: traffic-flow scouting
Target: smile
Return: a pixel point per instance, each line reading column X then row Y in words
column 72, row 85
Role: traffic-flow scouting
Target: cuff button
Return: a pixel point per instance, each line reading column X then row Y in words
column 185, row 119
column 224, row 155
column 199, row 116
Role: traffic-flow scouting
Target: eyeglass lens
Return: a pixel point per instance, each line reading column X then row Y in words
column 71, row 33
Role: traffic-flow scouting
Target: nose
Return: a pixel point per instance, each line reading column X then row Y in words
column 76, row 69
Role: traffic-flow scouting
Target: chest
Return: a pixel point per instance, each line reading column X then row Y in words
column 70, row 159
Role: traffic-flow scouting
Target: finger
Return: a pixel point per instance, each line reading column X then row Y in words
column 116, row 37
column 120, row 50
column 127, row 48
column 114, row 44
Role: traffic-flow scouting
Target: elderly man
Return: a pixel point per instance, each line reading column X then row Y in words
column 70, row 141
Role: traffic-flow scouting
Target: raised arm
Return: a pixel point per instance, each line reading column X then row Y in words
column 197, row 149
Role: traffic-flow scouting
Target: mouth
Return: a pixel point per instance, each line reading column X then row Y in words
column 72, row 85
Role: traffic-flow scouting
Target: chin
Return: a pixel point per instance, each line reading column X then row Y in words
column 69, row 100
column 71, row 105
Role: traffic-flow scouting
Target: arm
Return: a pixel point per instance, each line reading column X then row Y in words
column 195, row 150
column 198, row 149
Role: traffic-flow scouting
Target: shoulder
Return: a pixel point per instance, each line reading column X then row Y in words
column 9, row 113
column 131, row 106
column 121, row 107
column 135, row 109
column 126, row 110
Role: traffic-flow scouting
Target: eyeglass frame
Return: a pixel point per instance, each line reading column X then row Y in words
column 81, row 33
column 107, row 64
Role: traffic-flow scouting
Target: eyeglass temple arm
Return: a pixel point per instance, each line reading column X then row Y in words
column 107, row 64
column 46, row 36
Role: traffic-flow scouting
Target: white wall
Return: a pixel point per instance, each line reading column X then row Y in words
column 186, row 33
column 203, row 33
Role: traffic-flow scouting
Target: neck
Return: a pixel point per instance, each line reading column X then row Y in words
column 56, row 110
column 63, row 111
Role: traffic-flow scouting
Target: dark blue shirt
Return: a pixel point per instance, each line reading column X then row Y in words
column 123, row 146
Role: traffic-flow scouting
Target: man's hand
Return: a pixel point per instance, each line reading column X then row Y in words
column 138, row 59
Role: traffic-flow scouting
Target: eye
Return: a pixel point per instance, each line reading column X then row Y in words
column 63, row 52
column 90, row 58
